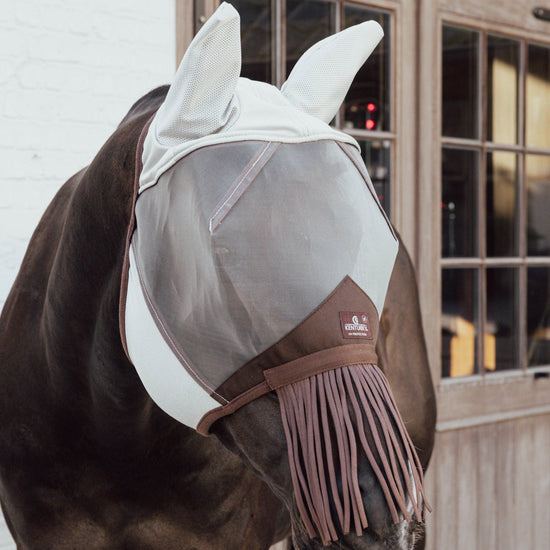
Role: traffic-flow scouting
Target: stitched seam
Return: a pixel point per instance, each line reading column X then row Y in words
column 364, row 173
column 241, row 185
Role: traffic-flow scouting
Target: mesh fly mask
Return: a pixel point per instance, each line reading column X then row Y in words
column 259, row 260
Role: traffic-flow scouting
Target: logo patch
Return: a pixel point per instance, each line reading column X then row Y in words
column 355, row 325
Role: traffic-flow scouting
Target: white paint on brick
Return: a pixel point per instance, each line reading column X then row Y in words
column 69, row 72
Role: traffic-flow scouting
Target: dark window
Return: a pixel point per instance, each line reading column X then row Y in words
column 495, row 197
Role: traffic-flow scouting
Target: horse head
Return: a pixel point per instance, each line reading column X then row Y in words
column 256, row 272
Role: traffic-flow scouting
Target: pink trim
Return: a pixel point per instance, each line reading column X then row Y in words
column 241, row 184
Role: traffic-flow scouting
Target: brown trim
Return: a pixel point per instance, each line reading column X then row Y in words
column 131, row 226
column 291, row 372
column 315, row 346
column 319, row 362
column 203, row 427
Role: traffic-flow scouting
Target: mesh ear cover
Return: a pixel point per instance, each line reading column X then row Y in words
column 208, row 103
column 321, row 78
column 200, row 100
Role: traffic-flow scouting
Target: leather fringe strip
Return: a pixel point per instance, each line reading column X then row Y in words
column 316, row 414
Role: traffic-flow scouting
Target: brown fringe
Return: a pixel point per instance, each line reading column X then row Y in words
column 315, row 412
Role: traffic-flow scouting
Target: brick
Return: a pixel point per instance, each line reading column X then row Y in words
column 32, row 75
column 70, row 77
column 51, row 46
column 30, row 13
column 7, row 70
column 13, row 44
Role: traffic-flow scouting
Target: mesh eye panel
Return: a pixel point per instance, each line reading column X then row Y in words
column 306, row 221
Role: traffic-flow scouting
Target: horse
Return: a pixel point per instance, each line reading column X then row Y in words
column 89, row 460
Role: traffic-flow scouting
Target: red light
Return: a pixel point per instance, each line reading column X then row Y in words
column 370, row 124
column 371, row 107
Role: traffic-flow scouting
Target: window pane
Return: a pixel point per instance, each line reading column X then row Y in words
column 458, row 202
column 377, row 155
column 307, row 23
column 459, row 330
column 538, row 316
column 501, row 204
column 501, row 327
column 255, row 38
column 460, row 82
column 367, row 104
column 502, row 89
column 537, row 176
column 538, row 97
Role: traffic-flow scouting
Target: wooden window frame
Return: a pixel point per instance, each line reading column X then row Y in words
column 475, row 400
column 521, row 261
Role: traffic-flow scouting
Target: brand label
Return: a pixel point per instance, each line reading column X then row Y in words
column 355, row 325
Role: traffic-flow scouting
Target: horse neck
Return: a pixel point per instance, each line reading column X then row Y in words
column 85, row 359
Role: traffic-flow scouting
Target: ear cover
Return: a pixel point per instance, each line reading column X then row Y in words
column 321, row 78
column 201, row 98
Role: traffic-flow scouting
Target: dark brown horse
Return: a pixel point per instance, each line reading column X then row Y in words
column 88, row 461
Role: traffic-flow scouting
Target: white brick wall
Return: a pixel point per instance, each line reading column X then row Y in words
column 69, row 71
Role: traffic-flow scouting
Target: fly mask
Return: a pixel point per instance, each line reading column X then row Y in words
column 259, row 260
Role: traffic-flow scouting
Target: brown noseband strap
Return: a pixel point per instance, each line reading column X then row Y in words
column 291, row 372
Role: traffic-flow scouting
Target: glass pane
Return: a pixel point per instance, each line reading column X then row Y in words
column 377, row 155
column 458, row 202
column 501, row 204
column 367, row 104
column 307, row 23
column 459, row 322
column 538, row 97
column 460, row 82
column 501, row 328
column 538, row 316
column 502, row 89
column 537, row 176
column 256, row 38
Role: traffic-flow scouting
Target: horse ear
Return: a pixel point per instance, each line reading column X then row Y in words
column 200, row 100
column 321, row 78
